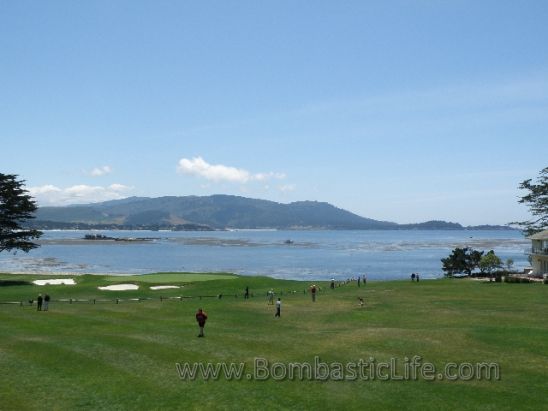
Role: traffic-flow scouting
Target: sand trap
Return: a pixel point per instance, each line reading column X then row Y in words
column 55, row 281
column 119, row 287
column 163, row 287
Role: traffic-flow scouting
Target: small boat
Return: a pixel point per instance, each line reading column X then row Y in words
column 288, row 242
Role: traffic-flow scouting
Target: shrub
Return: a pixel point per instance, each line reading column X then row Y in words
column 516, row 280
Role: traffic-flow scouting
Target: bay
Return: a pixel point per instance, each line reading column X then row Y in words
column 301, row 255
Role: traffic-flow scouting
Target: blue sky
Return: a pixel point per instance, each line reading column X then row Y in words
column 402, row 111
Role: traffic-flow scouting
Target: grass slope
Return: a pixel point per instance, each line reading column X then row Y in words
column 123, row 356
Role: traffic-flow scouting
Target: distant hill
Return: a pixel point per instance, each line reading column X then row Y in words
column 444, row 225
column 490, row 227
column 214, row 212
column 217, row 212
column 432, row 225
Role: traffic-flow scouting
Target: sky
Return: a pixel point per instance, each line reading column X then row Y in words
column 404, row 111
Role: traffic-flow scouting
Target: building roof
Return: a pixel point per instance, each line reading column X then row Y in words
column 543, row 235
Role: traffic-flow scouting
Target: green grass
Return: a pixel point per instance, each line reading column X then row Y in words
column 123, row 356
column 164, row 278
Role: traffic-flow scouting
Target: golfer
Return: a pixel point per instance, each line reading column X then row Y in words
column 201, row 318
column 278, row 308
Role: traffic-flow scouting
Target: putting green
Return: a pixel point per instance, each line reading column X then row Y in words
column 161, row 278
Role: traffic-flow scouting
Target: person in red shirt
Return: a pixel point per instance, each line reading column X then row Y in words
column 201, row 318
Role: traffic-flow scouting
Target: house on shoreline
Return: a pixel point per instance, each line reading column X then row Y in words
column 539, row 252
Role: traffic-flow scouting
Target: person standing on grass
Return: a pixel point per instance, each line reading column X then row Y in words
column 278, row 308
column 46, row 302
column 246, row 295
column 39, row 302
column 364, row 279
column 359, row 279
column 417, row 276
column 201, row 318
column 271, row 297
column 313, row 292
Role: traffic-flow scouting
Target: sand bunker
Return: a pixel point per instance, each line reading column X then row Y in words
column 119, row 287
column 163, row 287
column 55, row 281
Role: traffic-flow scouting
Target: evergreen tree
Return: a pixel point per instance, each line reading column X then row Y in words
column 461, row 260
column 16, row 206
column 537, row 201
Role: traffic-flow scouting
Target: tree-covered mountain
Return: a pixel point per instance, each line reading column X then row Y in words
column 217, row 211
column 214, row 212
column 432, row 225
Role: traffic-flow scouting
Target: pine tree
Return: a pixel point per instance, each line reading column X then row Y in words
column 537, row 201
column 16, row 206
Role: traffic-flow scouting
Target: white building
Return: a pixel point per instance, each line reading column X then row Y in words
column 539, row 252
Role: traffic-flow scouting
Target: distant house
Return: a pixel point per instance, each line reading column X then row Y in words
column 539, row 252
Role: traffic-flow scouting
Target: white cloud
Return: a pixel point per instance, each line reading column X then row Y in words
column 287, row 187
column 268, row 176
column 119, row 187
column 100, row 171
column 46, row 189
column 217, row 172
column 77, row 194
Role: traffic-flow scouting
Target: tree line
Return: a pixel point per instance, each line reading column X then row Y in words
column 467, row 260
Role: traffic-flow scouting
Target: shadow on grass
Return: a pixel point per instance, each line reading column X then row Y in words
column 9, row 283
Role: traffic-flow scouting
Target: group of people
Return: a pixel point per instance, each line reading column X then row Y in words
column 42, row 302
column 415, row 276
column 201, row 316
column 360, row 280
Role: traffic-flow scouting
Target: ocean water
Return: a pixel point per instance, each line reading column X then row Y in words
column 311, row 254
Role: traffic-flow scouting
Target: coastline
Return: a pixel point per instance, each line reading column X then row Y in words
column 310, row 256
